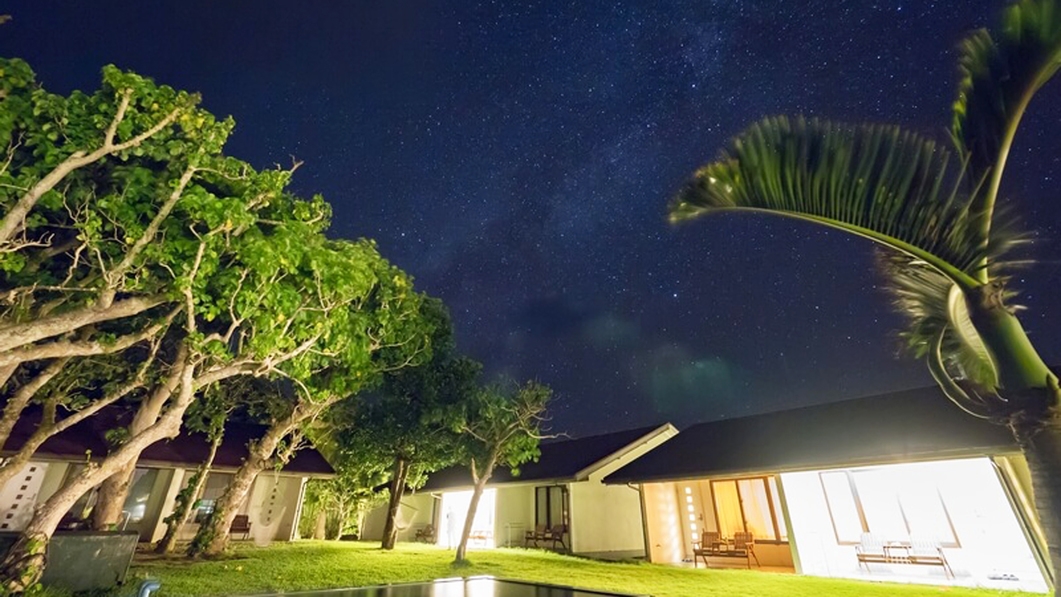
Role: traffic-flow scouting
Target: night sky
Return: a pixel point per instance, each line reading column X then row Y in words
column 516, row 158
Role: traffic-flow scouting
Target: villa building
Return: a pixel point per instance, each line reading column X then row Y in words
column 562, row 491
column 901, row 487
column 272, row 508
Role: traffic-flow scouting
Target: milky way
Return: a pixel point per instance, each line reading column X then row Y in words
column 517, row 157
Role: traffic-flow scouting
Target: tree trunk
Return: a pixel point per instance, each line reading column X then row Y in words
column 477, row 494
column 1040, row 441
column 186, row 500
column 397, row 490
column 25, row 560
column 21, row 568
column 213, row 535
column 110, row 502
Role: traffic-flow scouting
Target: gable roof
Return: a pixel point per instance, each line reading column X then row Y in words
column 918, row 424
column 186, row 450
column 560, row 461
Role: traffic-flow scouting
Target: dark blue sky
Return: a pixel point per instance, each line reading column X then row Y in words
column 517, row 157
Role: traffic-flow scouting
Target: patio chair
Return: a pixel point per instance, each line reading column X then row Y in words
column 870, row 549
column 426, row 534
column 710, row 545
column 240, row 524
column 534, row 535
column 556, row 535
column 744, row 545
column 928, row 551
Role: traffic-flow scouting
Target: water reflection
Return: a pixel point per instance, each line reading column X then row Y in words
column 457, row 587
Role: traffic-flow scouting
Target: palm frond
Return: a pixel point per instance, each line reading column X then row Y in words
column 937, row 318
column 882, row 182
column 999, row 76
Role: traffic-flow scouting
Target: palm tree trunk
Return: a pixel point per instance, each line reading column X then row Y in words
column 1040, row 441
column 397, row 490
column 180, row 515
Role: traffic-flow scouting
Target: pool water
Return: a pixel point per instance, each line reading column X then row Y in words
column 480, row 586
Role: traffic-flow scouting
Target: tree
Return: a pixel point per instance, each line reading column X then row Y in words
column 380, row 329
column 502, row 426
column 408, row 422
column 946, row 251
column 206, row 416
column 158, row 232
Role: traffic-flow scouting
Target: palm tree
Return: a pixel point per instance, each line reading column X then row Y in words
column 932, row 210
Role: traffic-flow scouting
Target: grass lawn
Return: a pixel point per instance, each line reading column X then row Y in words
column 318, row 564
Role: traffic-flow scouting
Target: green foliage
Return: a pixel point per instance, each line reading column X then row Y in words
column 411, row 415
column 502, row 424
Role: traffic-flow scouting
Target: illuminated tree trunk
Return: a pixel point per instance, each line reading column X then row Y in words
column 477, row 494
column 24, row 563
column 110, row 501
column 186, row 500
column 397, row 490
column 213, row 535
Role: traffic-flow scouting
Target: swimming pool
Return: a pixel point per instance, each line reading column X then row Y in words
column 476, row 586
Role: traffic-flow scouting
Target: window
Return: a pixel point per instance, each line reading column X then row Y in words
column 550, row 506
column 881, row 502
column 139, row 493
column 216, row 484
column 750, row 505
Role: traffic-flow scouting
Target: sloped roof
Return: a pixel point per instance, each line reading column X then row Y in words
column 186, row 450
column 918, row 424
column 561, row 461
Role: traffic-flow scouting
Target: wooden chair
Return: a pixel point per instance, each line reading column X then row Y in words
column 426, row 534
column 556, row 535
column 534, row 535
column 744, row 546
column 710, row 545
column 240, row 524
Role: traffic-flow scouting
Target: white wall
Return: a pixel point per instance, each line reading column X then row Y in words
column 513, row 515
column 19, row 495
column 663, row 519
column 990, row 538
column 605, row 518
column 416, row 512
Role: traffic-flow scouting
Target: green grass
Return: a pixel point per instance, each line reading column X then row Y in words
column 318, row 564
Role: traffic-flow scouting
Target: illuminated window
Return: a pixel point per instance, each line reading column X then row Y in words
column 881, row 502
column 749, row 505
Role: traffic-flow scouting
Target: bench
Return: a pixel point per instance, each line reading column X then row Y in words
column 240, row 524
column 920, row 551
column 711, row 544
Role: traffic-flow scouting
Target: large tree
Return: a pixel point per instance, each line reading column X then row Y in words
column 933, row 211
column 380, row 329
column 502, row 426
column 126, row 229
column 407, row 422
